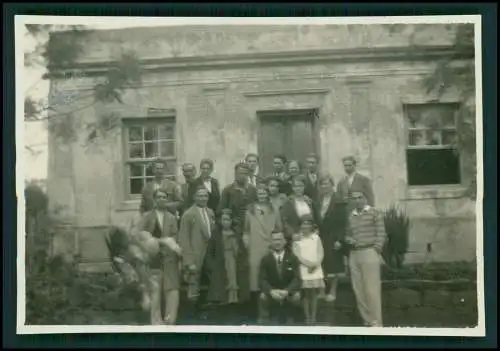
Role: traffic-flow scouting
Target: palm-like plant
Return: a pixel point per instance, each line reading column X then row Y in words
column 128, row 261
column 397, row 226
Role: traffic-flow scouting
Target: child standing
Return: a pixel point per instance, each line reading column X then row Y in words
column 309, row 250
column 230, row 243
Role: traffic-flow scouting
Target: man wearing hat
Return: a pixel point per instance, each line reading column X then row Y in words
column 160, row 182
column 365, row 238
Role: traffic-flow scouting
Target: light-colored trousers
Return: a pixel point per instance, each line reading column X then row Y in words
column 171, row 298
column 364, row 266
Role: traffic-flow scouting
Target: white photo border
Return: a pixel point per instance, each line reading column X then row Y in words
column 21, row 328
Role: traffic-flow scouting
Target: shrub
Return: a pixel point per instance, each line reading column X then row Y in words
column 397, row 226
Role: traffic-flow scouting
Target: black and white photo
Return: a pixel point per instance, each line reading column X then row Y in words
column 260, row 175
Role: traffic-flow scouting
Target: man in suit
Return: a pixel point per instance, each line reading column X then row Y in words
column 189, row 173
column 279, row 171
column 311, row 189
column 210, row 183
column 280, row 284
column 197, row 226
column 164, row 268
column 237, row 196
column 252, row 160
column 159, row 181
column 354, row 182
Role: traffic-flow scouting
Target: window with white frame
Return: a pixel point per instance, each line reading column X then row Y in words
column 147, row 140
column 432, row 152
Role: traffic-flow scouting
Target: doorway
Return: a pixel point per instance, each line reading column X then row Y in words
column 291, row 133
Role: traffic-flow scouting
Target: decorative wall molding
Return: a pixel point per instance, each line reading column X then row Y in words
column 221, row 83
column 286, row 92
column 217, row 88
column 354, row 82
column 283, row 58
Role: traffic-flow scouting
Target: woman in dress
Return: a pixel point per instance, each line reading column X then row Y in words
column 260, row 221
column 276, row 198
column 309, row 250
column 331, row 217
column 295, row 207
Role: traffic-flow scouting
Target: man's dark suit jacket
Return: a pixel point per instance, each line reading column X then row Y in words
column 360, row 183
column 270, row 278
column 213, row 197
column 311, row 189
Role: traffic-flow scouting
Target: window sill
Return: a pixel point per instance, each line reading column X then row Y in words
column 129, row 205
column 436, row 192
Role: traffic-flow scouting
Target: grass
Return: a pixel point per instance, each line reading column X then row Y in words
column 99, row 299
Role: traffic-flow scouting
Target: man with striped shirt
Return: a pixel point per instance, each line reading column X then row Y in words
column 365, row 237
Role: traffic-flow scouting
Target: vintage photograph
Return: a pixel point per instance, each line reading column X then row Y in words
column 297, row 173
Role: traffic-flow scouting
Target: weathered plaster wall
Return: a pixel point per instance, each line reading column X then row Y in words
column 360, row 108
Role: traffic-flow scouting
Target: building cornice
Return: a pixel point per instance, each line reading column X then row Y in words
column 302, row 57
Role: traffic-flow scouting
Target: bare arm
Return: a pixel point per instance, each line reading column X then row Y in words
column 297, row 252
column 320, row 252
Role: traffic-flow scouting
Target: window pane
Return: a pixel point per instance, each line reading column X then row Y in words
column 448, row 117
column 450, row 137
column 151, row 150
column 433, row 167
column 167, row 148
column 136, row 185
column 136, row 170
column 136, row 150
column 151, row 133
column 433, row 137
column 135, row 134
column 417, row 137
column 167, row 131
column 431, row 117
column 149, row 170
column 415, row 117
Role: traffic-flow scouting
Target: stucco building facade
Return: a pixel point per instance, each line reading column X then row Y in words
column 221, row 92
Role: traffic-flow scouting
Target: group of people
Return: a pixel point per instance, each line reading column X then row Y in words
column 273, row 245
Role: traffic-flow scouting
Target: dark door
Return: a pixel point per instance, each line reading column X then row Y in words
column 290, row 133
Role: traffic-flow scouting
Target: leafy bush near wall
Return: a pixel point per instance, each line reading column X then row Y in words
column 57, row 291
column 397, row 227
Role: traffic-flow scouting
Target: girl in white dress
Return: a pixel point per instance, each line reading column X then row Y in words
column 309, row 250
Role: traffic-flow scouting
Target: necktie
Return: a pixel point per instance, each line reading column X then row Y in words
column 207, row 221
column 280, row 261
column 313, row 178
